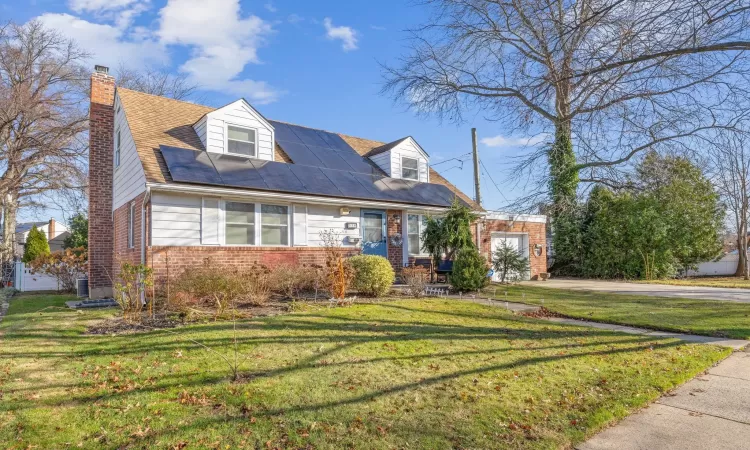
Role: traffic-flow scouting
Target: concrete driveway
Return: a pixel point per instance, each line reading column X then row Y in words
column 655, row 290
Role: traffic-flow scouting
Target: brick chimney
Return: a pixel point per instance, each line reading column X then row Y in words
column 101, row 151
column 51, row 229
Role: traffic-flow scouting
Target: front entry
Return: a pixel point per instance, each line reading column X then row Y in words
column 373, row 233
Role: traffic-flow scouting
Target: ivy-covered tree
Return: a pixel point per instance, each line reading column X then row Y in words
column 79, row 232
column 36, row 245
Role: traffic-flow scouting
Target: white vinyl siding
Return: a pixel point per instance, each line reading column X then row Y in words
column 210, row 222
column 212, row 129
column 128, row 180
column 391, row 161
column 299, row 221
column 176, row 221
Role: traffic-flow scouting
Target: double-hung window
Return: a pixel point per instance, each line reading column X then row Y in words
column 241, row 141
column 241, row 219
column 274, row 225
column 415, row 224
column 117, row 149
column 409, row 168
column 240, row 223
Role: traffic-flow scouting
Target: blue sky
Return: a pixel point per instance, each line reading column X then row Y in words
column 315, row 63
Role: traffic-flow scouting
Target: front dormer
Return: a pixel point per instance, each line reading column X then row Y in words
column 237, row 129
column 404, row 159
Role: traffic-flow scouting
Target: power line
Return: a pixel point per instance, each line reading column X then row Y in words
column 487, row 172
column 457, row 158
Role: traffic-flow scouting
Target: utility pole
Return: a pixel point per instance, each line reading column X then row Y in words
column 478, row 197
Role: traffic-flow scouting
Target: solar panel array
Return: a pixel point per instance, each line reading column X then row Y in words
column 318, row 148
column 191, row 166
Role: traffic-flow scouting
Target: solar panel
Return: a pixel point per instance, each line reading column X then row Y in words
column 315, row 181
column 237, row 171
column 284, row 133
column 358, row 163
column 330, row 158
column 190, row 166
column 278, row 176
column 335, row 142
column 308, row 136
column 300, row 154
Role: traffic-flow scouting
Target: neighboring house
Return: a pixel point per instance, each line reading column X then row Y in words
column 173, row 184
column 55, row 232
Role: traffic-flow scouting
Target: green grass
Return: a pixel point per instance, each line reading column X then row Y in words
column 705, row 317
column 723, row 282
column 418, row 374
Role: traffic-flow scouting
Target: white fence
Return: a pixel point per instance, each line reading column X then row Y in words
column 725, row 266
column 27, row 281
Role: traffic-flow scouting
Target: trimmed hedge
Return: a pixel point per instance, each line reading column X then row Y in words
column 373, row 275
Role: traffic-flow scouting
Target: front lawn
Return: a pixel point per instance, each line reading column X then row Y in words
column 706, row 317
column 418, row 374
column 723, row 282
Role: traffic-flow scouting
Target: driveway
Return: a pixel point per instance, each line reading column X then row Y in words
column 654, row 290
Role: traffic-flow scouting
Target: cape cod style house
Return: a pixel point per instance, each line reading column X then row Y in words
column 173, row 183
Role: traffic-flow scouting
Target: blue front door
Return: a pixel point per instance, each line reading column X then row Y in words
column 373, row 233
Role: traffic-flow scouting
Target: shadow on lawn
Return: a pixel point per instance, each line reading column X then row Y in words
column 346, row 333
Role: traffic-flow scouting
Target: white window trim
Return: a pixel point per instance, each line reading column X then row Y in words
column 258, row 224
column 402, row 168
column 118, row 148
column 131, row 225
column 420, row 230
column 226, row 139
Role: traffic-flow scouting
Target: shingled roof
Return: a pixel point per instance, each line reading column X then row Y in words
column 155, row 121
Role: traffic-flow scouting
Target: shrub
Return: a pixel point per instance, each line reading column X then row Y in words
column 223, row 287
column 509, row 263
column 290, row 280
column 66, row 266
column 469, row 271
column 130, row 290
column 373, row 275
column 415, row 278
column 36, row 245
column 337, row 272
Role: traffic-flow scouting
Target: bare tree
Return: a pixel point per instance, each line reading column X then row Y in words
column 42, row 117
column 156, row 82
column 730, row 155
column 605, row 79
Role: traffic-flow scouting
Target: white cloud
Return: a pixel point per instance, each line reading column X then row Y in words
column 270, row 7
column 222, row 44
column 99, row 5
column 501, row 141
column 121, row 12
column 347, row 35
column 107, row 44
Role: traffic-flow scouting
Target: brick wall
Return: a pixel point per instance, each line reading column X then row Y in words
column 101, row 129
column 537, row 235
column 122, row 252
column 174, row 260
column 394, row 226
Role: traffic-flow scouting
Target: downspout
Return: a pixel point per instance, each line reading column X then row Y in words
column 146, row 198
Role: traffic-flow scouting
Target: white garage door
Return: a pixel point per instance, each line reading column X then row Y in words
column 516, row 241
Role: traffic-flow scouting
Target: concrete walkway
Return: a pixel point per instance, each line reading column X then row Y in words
column 709, row 412
column 654, row 290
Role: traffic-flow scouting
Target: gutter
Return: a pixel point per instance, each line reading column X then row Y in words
column 297, row 198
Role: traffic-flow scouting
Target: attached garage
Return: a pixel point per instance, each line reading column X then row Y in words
column 518, row 241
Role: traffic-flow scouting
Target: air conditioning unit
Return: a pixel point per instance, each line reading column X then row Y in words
column 345, row 211
column 82, row 287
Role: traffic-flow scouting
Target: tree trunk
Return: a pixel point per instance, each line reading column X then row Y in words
column 743, row 269
column 7, row 247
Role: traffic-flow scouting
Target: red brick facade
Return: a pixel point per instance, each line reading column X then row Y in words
column 394, row 225
column 124, row 252
column 536, row 231
column 101, row 126
column 171, row 261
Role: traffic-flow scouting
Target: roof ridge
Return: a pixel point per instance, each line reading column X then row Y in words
column 166, row 98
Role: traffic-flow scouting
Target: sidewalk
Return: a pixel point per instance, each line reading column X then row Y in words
column 710, row 411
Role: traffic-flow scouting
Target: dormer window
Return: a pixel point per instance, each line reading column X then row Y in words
column 409, row 168
column 241, row 141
